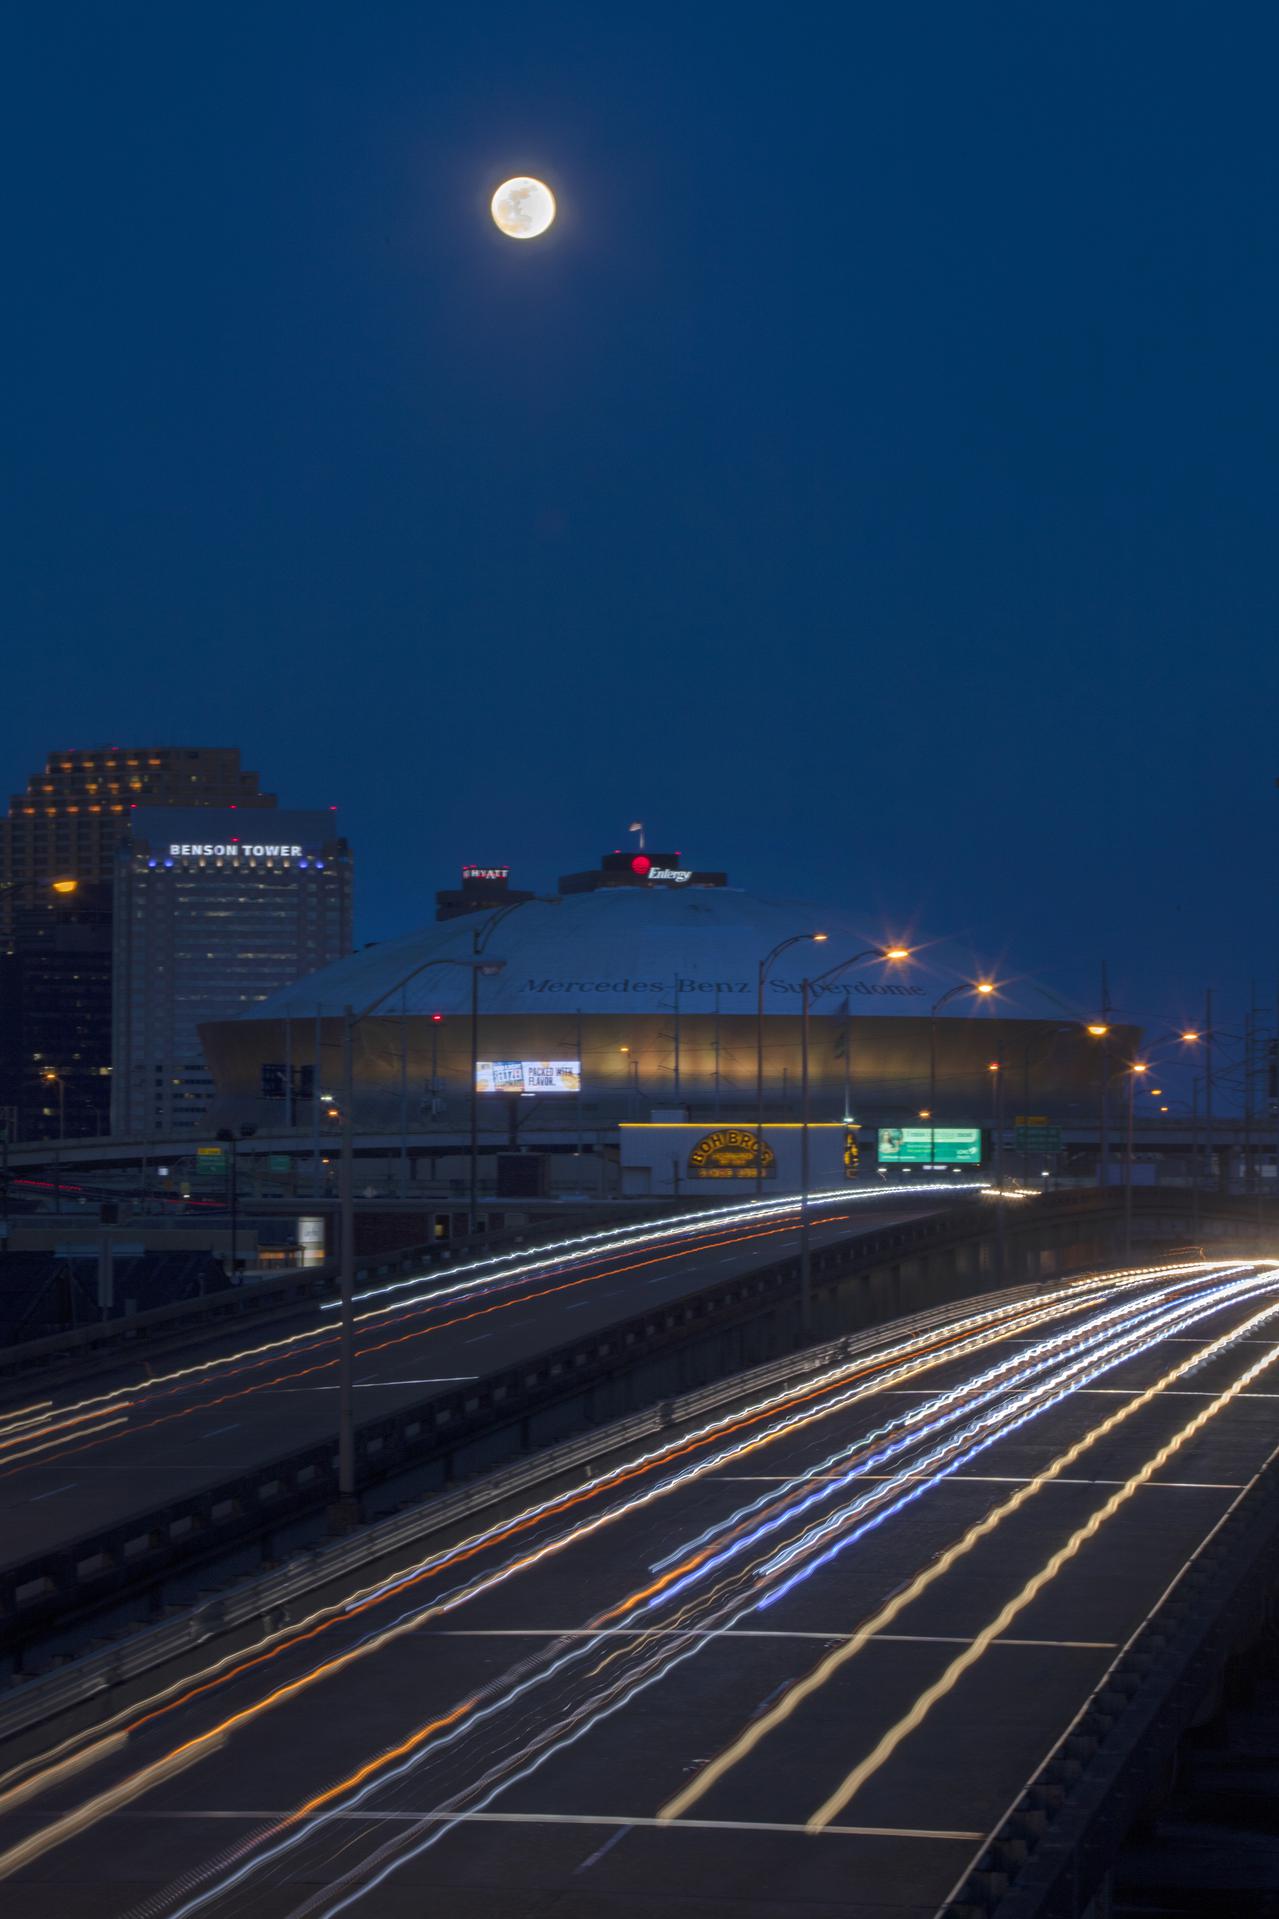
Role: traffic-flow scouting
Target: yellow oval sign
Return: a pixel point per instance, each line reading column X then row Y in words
column 731, row 1152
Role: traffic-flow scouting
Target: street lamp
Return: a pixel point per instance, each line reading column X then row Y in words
column 1095, row 1029
column 346, row 1208
column 480, row 936
column 887, row 954
column 232, row 1139
column 477, row 965
column 54, row 886
column 35, row 887
column 765, row 963
column 984, row 989
column 51, row 1078
column 1135, row 1070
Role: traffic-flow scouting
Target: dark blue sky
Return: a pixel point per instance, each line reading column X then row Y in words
column 870, row 482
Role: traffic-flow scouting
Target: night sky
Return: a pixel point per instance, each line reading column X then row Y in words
column 869, row 482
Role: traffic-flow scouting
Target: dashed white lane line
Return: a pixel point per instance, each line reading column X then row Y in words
column 600, row 1851
column 579, row 1819
column 432, row 1379
column 756, row 1632
column 1172, row 1392
column 214, row 1431
column 53, row 1492
column 998, row 1479
column 1113, row 1392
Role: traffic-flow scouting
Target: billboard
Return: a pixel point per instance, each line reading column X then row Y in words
column 528, row 1076
column 930, row 1145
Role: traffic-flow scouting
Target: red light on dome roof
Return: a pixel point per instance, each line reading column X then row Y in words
column 641, row 864
column 436, row 1018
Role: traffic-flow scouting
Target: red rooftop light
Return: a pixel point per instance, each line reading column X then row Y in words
column 641, row 864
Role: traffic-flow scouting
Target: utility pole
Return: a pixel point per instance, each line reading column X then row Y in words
column 1103, row 1131
column 1208, row 1037
column 805, row 1251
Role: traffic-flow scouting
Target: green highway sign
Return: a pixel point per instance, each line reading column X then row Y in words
column 1037, row 1139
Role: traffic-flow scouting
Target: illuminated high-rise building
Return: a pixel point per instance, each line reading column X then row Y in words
column 55, row 948
column 214, row 911
column 68, row 822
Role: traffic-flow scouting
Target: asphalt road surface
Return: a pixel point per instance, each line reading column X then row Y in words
column 95, row 1454
column 796, row 1663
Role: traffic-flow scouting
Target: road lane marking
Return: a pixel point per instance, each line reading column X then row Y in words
column 53, row 1494
column 752, row 1735
column 578, row 1819
column 433, row 1379
column 1113, row 1392
column 753, row 1632
column 213, row 1431
column 1179, row 1392
column 1004, row 1479
column 600, row 1851
column 910, row 1721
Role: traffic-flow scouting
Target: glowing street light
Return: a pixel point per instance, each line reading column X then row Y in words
column 889, row 955
column 794, row 939
column 1135, row 1070
column 984, row 989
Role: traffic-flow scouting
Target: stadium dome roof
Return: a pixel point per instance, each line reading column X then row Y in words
column 623, row 951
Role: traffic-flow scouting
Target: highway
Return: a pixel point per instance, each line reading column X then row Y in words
column 798, row 1660
column 95, row 1454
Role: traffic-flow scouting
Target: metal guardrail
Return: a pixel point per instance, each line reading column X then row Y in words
column 271, row 1597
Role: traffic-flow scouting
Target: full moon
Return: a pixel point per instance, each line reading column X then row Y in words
column 523, row 208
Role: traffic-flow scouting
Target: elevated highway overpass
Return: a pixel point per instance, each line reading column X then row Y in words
column 150, row 1463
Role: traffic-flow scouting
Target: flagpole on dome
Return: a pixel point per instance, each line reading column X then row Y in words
column 637, row 826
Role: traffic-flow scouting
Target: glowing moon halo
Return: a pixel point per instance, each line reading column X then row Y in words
column 522, row 208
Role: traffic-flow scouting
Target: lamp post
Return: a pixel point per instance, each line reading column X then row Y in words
column 226, row 1134
column 51, row 1078
column 1096, row 1029
column 346, row 1514
column 984, row 989
column 1135, row 1070
column 781, row 946
column 996, row 1070
column 36, row 888
column 480, row 936
column 887, row 954
column 1188, row 1036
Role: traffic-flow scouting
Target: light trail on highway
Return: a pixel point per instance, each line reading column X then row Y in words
column 747, row 1559
column 410, row 1310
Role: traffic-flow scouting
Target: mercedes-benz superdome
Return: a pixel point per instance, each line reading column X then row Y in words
column 633, row 995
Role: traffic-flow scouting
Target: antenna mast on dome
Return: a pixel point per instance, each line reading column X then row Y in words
column 637, row 826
